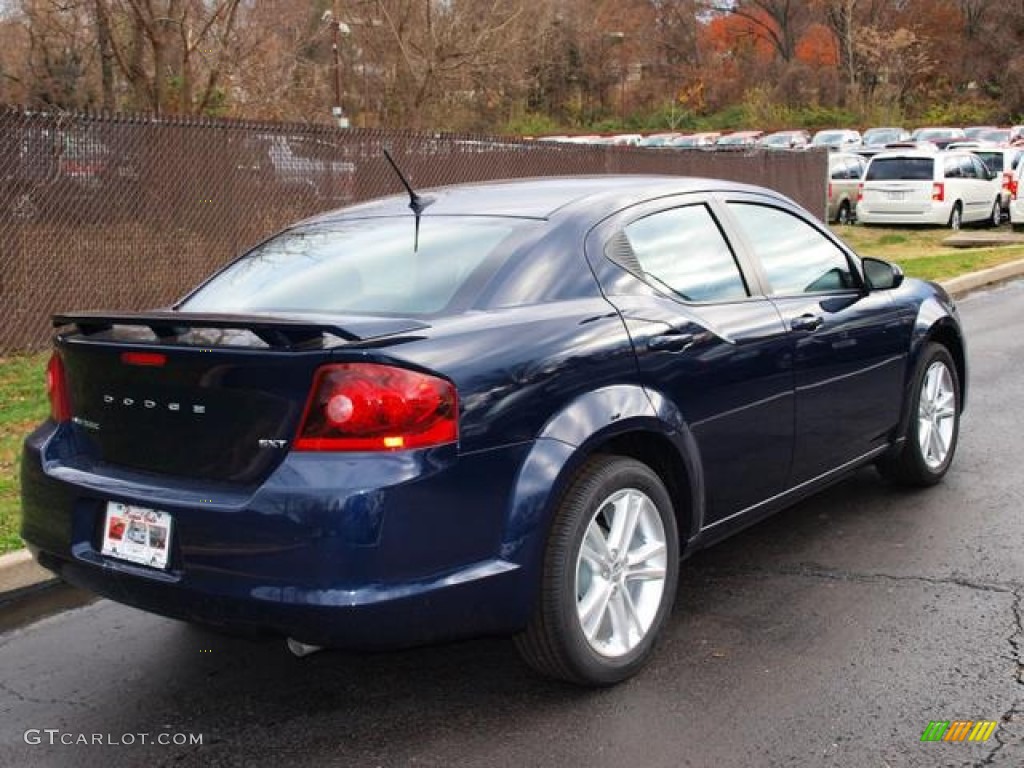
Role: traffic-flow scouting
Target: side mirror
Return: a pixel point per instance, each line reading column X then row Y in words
column 881, row 275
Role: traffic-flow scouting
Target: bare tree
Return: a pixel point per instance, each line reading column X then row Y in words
column 155, row 44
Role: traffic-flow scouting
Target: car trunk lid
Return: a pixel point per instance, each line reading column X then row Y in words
column 204, row 396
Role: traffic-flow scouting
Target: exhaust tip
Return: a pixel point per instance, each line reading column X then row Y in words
column 301, row 650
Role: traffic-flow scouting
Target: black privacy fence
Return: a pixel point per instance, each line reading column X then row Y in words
column 128, row 212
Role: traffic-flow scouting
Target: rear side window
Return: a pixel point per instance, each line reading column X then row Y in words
column 993, row 160
column 848, row 169
column 684, row 250
column 965, row 167
column 901, row 168
column 366, row 265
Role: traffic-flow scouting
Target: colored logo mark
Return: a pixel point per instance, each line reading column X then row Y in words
column 959, row 730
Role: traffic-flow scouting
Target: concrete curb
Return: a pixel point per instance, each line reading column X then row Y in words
column 20, row 575
column 960, row 286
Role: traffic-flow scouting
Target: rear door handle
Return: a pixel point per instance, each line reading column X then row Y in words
column 670, row 342
column 807, row 322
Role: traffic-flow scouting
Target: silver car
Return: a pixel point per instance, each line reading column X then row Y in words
column 845, row 170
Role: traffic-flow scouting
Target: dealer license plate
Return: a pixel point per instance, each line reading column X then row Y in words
column 137, row 534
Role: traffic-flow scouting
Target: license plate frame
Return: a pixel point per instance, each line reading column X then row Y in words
column 139, row 535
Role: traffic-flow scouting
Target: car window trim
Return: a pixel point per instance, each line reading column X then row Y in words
column 601, row 233
column 739, row 236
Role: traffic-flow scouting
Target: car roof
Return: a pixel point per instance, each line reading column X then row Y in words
column 539, row 198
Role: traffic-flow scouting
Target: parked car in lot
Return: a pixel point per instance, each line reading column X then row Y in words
column 658, row 140
column 836, row 139
column 845, row 171
column 511, row 409
column 295, row 165
column 49, row 171
column 919, row 187
column 977, row 132
column 996, row 136
column 701, row 140
column 786, row 140
column 1017, row 200
column 1003, row 161
column 875, row 139
column 738, row 140
column 940, row 136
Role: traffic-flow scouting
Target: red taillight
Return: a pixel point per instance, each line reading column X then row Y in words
column 860, row 192
column 1008, row 184
column 371, row 407
column 150, row 359
column 938, row 192
column 830, row 190
column 57, row 390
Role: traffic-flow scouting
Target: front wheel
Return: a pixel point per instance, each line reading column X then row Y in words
column 934, row 422
column 609, row 577
column 995, row 218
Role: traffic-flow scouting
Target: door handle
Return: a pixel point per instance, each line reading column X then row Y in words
column 807, row 322
column 670, row 342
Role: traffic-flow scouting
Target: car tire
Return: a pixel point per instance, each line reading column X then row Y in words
column 609, row 575
column 956, row 216
column 933, row 422
column 995, row 218
column 844, row 215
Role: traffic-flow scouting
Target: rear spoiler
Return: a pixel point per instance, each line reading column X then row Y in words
column 277, row 331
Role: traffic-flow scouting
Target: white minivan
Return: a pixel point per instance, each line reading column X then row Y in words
column 1017, row 199
column 917, row 187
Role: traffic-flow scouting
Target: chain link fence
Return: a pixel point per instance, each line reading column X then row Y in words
column 113, row 212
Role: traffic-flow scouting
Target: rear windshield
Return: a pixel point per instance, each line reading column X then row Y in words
column 361, row 266
column 903, row 168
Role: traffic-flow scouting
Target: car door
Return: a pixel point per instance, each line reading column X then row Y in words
column 848, row 345
column 989, row 182
column 979, row 191
column 705, row 340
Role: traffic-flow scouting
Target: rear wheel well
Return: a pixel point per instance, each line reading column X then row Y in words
column 658, row 453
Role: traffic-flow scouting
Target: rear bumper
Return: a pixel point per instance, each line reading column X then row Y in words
column 353, row 551
column 933, row 215
column 472, row 601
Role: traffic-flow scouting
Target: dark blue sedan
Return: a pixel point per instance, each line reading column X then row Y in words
column 512, row 410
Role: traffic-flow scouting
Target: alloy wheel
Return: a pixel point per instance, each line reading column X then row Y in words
column 936, row 414
column 620, row 573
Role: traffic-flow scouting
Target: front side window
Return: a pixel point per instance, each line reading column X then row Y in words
column 684, row 250
column 375, row 265
column 796, row 257
column 992, row 160
column 982, row 171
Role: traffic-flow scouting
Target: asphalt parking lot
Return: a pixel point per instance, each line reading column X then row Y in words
column 830, row 635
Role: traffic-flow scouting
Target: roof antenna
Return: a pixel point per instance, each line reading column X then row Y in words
column 416, row 202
